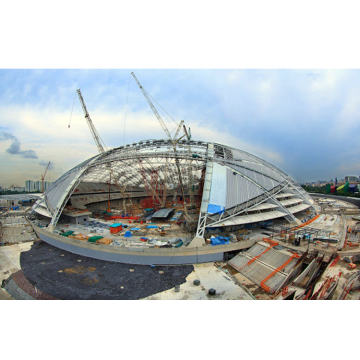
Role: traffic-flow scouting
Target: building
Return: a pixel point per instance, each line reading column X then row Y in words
column 227, row 186
column 17, row 188
column 37, row 185
column 29, row 185
column 210, row 187
column 351, row 179
column 47, row 185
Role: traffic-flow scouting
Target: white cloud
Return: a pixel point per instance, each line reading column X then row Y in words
column 47, row 132
column 213, row 134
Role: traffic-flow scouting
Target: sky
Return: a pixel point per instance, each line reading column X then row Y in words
column 256, row 75
column 302, row 121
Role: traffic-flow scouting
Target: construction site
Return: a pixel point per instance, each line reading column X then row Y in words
column 315, row 260
column 221, row 222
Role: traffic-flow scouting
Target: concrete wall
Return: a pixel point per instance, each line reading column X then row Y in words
column 141, row 256
column 76, row 220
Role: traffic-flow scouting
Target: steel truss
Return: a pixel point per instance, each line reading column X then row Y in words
column 191, row 157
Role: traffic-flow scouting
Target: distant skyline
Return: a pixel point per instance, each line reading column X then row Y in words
column 303, row 121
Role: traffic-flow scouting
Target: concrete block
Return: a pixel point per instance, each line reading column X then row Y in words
column 196, row 242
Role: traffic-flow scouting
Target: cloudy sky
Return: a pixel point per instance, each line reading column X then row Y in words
column 213, row 64
column 303, row 121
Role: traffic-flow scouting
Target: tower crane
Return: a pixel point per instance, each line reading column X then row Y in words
column 43, row 178
column 100, row 145
column 173, row 140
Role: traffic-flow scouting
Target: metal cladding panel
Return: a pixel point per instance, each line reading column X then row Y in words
column 207, row 182
column 256, row 250
column 218, row 186
column 238, row 261
column 239, row 189
column 291, row 201
column 263, row 206
column 255, row 166
column 275, row 258
column 297, row 208
column 275, row 282
column 264, row 266
column 247, row 219
column 274, row 174
column 238, row 154
column 256, row 272
column 290, row 266
column 57, row 194
column 260, row 179
column 162, row 213
column 42, row 211
column 263, row 169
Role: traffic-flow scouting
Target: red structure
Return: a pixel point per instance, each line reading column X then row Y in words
column 115, row 228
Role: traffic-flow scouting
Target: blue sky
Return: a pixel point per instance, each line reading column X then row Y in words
column 303, row 121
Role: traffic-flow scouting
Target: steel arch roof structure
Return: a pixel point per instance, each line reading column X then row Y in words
column 233, row 187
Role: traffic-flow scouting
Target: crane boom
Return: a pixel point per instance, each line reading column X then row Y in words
column 173, row 140
column 46, row 169
column 99, row 145
column 153, row 107
column 43, row 178
column 93, row 131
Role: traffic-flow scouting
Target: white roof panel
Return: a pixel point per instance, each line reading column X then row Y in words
column 248, row 219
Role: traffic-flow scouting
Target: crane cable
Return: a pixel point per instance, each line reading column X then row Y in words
column 177, row 125
column 72, row 110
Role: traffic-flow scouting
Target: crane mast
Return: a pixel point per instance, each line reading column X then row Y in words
column 99, row 145
column 93, row 131
column 163, row 201
column 173, row 140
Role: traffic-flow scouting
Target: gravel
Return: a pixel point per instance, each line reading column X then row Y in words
column 66, row 278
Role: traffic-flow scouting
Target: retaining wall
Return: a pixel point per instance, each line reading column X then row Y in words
column 142, row 256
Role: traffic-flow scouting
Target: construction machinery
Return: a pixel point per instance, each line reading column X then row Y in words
column 98, row 141
column 173, row 140
column 189, row 168
column 43, row 178
column 100, row 145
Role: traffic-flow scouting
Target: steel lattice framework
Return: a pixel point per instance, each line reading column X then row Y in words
column 231, row 181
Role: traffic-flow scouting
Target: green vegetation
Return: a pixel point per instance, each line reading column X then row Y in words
column 314, row 189
column 322, row 190
column 8, row 192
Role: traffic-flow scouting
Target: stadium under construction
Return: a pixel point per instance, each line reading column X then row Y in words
column 178, row 201
column 147, row 197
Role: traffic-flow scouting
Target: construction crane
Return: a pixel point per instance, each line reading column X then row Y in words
column 173, row 140
column 100, row 145
column 43, row 178
column 149, row 188
column 108, row 209
column 94, row 133
column 189, row 168
column 187, row 133
column 152, row 107
column 163, row 184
